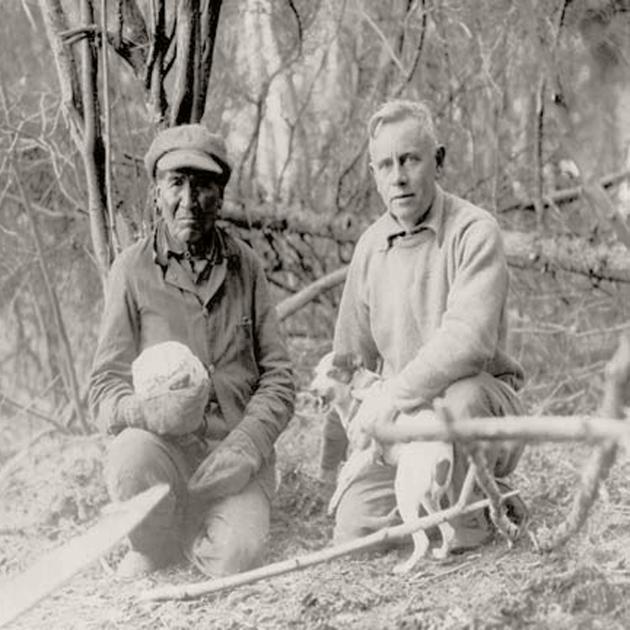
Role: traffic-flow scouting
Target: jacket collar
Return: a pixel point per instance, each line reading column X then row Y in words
column 164, row 247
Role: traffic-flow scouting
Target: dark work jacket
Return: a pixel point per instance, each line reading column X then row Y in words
column 231, row 327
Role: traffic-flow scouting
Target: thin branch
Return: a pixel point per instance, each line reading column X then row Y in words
column 182, row 101
column 54, row 303
column 190, row 591
column 12, row 463
column 107, row 136
column 386, row 45
column 65, row 62
column 28, row 409
column 209, row 23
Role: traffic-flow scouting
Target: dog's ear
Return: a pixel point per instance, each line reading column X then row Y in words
column 348, row 361
column 345, row 365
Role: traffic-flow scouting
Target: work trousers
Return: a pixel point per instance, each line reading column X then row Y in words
column 221, row 537
column 370, row 502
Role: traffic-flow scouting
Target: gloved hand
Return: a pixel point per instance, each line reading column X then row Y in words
column 227, row 470
column 377, row 408
column 176, row 411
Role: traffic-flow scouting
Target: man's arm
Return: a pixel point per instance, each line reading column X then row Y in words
column 353, row 333
column 270, row 408
column 230, row 467
column 110, row 392
column 468, row 335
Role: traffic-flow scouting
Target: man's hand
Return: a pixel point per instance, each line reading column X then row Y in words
column 376, row 411
column 227, row 470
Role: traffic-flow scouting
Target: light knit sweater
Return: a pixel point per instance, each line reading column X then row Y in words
column 429, row 305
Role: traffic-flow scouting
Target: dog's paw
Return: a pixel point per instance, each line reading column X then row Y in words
column 405, row 567
column 440, row 553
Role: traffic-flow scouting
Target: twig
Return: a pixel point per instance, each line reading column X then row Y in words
column 5, row 400
column 386, row 45
column 489, row 486
column 10, row 465
column 603, row 457
column 190, row 591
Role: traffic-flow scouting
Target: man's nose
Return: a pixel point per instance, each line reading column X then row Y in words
column 188, row 195
column 399, row 172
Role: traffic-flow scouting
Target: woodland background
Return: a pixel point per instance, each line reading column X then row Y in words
column 532, row 101
column 531, row 98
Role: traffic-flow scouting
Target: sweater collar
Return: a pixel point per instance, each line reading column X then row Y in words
column 433, row 220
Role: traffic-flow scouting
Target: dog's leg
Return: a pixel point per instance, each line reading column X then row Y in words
column 441, row 485
column 354, row 466
column 409, row 494
column 488, row 484
column 467, row 487
column 446, row 530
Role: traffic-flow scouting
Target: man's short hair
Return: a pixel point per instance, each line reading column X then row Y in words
column 401, row 109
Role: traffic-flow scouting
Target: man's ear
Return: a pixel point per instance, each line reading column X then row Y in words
column 155, row 194
column 440, row 154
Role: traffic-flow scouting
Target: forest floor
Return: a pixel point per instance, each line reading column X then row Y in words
column 55, row 491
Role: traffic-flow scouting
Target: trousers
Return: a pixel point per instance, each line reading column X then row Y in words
column 220, row 538
column 369, row 503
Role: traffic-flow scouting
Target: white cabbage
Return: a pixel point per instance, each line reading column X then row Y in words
column 165, row 367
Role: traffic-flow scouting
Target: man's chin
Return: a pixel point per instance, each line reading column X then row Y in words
column 188, row 235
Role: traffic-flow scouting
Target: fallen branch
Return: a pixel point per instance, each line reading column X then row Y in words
column 190, row 591
column 345, row 229
column 524, row 250
column 295, row 302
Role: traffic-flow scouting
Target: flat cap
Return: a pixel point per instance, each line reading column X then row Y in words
column 188, row 146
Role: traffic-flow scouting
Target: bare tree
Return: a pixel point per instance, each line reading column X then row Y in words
column 177, row 37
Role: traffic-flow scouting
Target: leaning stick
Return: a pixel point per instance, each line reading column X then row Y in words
column 191, row 591
column 603, row 456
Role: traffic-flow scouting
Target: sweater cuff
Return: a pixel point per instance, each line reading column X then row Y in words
column 129, row 413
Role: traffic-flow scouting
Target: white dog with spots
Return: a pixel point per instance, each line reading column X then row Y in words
column 423, row 468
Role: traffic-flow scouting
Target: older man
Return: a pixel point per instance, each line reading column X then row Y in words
column 425, row 299
column 192, row 282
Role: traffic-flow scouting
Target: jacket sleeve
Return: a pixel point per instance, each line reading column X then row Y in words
column 271, row 406
column 467, row 338
column 110, row 379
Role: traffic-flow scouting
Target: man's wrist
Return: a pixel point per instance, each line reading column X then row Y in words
column 130, row 412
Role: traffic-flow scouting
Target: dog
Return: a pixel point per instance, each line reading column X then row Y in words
column 423, row 468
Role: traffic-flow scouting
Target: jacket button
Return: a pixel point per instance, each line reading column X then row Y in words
column 211, row 368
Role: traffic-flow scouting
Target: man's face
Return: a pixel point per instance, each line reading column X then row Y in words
column 189, row 201
column 403, row 162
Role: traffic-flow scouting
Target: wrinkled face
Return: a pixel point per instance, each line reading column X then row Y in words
column 190, row 201
column 404, row 165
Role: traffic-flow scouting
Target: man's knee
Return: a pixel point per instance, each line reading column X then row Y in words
column 467, row 398
column 484, row 395
column 367, row 505
column 234, row 534
column 137, row 460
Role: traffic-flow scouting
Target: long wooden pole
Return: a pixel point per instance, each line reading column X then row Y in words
column 190, row 591
column 530, row 428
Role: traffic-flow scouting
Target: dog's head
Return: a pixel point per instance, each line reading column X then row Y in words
column 333, row 380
